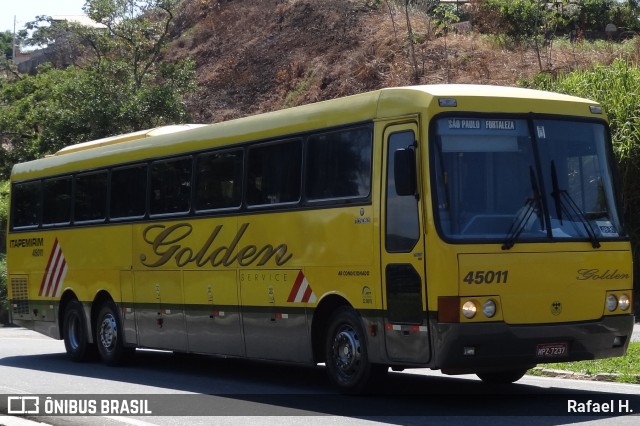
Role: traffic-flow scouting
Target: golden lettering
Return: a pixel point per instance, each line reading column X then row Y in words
column 169, row 244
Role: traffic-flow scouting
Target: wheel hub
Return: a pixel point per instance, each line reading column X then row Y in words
column 108, row 332
column 346, row 348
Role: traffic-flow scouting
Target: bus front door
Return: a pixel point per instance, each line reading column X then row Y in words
column 406, row 327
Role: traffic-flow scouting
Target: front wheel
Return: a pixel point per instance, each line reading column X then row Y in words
column 346, row 354
column 503, row 377
column 109, row 336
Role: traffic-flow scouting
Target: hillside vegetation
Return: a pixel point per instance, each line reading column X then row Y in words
column 256, row 56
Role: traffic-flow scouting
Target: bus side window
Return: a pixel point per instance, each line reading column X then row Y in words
column 273, row 173
column 219, row 180
column 402, row 223
column 91, row 196
column 339, row 165
column 26, row 204
column 170, row 186
column 57, row 201
column 128, row 191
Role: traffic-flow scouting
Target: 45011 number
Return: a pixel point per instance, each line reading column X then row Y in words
column 486, row 277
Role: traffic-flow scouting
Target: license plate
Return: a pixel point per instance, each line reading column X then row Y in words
column 552, row 350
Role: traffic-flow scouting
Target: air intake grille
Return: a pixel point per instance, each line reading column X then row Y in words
column 20, row 295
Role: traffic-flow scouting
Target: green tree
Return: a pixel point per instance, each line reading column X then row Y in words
column 137, row 31
column 117, row 83
column 513, row 21
column 626, row 16
column 6, row 39
column 443, row 17
column 595, row 14
column 519, row 22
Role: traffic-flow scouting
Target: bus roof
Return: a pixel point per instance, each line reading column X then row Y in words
column 379, row 104
column 484, row 91
column 126, row 137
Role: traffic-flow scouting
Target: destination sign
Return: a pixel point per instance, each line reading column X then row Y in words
column 475, row 124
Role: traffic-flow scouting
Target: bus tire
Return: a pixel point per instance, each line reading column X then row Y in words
column 503, row 377
column 109, row 336
column 347, row 359
column 74, row 333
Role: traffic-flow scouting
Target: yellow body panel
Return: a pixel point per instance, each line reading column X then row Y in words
column 531, row 285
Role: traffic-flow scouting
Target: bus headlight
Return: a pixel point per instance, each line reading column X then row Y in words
column 489, row 308
column 469, row 309
column 624, row 302
column 612, row 302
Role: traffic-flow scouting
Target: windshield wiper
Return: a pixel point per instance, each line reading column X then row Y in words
column 570, row 207
column 531, row 205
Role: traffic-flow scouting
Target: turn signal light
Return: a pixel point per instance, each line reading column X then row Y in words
column 449, row 309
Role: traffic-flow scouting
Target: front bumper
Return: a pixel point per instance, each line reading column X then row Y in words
column 503, row 346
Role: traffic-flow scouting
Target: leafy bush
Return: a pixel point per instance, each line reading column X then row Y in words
column 6, row 39
column 518, row 21
column 594, row 15
column 625, row 16
column 4, row 207
column 513, row 21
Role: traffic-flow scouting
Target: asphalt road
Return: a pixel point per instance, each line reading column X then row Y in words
column 200, row 390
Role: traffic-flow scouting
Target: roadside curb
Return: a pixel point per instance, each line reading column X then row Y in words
column 564, row 374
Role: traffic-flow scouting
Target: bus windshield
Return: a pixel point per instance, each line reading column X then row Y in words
column 513, row 179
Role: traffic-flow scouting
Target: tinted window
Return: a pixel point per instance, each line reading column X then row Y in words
column 576, row 165
column 91, row 196
column 26, row 204
column 339, row 164
column 128, row 191
column 404, row 294
column 170, row 186
column 510, row 179
column 403, row 230
column 274, row 173
column 485, row 172
column 219, row 180
column 57, row 201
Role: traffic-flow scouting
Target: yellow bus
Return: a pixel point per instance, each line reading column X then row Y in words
column 466, row 228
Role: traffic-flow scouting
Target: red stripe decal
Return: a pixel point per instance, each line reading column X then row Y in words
column 46, row 270
column 52, row 275
column 59, row 277
column 296, row 287
column 307, row 294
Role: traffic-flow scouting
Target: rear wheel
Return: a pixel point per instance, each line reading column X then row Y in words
column 109, row 336
column 75, row 332
column 346, row 354
column 503, row 377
